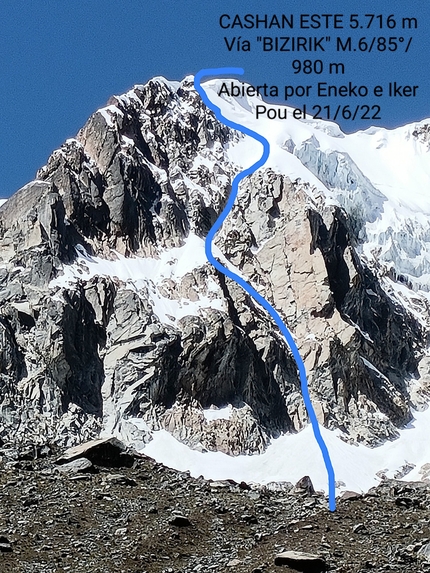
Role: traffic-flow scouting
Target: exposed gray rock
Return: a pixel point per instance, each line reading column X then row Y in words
column 350, row 496
column 304, row 486
column 234, row 563
column 80, row 465
column 424, row 552
column 300, row 561
column 106, row 452
column 5, row 545
column 180, row 521
column 360, row 528
column 119, row 479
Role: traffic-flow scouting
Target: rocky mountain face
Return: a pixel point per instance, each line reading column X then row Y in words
column 112, row 320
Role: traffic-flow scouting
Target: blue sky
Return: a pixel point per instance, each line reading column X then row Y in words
column 60, row 60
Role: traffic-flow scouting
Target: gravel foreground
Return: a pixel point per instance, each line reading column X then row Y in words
column 151, row 519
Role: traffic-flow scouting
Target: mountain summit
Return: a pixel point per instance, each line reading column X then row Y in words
column 112, row 321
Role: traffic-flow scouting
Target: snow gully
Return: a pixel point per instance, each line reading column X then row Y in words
column 247, row 287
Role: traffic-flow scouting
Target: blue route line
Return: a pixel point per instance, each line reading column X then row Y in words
column 248, row 288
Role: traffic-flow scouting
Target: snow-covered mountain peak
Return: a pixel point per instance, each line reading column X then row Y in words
column 111, row 317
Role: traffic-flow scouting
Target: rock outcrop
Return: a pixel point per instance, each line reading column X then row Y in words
column 112, row 319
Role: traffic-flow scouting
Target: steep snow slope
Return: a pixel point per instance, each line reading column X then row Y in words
column 148, row 273
column 381, row 177
column 289, row 458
